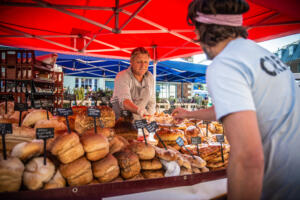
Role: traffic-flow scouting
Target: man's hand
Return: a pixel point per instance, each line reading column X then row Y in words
column 142, row 111
column 179, row 114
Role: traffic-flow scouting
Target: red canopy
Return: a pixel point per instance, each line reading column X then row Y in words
column 112, row 28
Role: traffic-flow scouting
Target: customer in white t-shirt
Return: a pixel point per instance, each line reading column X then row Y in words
column 256, row 98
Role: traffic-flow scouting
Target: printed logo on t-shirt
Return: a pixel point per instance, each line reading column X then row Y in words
column 272, row 65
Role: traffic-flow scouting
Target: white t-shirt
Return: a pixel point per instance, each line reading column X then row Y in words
column 244, row 76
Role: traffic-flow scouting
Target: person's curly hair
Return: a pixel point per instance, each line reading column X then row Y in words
column 211, row 34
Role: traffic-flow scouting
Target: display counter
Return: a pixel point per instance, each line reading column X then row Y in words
column 210, row 184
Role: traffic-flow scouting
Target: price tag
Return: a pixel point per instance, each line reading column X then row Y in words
column 179, row 141
column 44, row 134
column 37, row 104
column 140, row 123
column 196, row 140
column 21, row 107
column 151, row 127
column 220, row 138
column 94, row 112
column 64, row 111
column 5, row 129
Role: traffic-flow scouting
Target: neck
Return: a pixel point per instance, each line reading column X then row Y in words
column 139, row 78
column 221, row 45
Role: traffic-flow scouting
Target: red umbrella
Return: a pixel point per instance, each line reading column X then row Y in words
column 112, row 28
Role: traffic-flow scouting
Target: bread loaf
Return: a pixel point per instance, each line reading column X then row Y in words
column 57, row 181
column 35, row 116
column 27, row 150
column 106, row 169
column 96, row 146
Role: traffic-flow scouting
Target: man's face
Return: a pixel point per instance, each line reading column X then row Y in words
column 139, row 64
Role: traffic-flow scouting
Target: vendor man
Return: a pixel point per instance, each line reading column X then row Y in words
column 134, row 87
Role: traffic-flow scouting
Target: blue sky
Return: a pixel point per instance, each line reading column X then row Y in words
column 271, row 45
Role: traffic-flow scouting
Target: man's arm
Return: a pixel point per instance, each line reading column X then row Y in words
column 129, row 105
column 202, row 114
column 246, row 162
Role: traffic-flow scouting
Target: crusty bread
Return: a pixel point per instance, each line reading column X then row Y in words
column 136, row 177
column 35, row 116
column 144, row 151
column 196, row 170
column 57, row 181
column 196, row 161
column 52, row 123
column 27, row 150
column 153, row 173
column 96, row 146
column 204, row 169
column 11, row 172
column 78, row 172
column 67, row 147
column 169, row 137
column 36, row 173
column 107, row 132
column 153, row 164
column 106, row 169
column 117, row 143
column 185, row 171
column 129, row 163
column 167, row 155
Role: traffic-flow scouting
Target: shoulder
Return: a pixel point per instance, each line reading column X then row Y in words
column 123, row 75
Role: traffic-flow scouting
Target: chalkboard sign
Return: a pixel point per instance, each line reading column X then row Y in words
column 21, row 107
column 151, row 127
column 5, row 129
column 140, row 123
column 220, row 138
column 37, row 104
column 94, row 112
column 179, row 141
column 64, row 111
column 44, row 133
column 196, row 140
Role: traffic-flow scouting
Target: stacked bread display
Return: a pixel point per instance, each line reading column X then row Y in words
column 84, row 157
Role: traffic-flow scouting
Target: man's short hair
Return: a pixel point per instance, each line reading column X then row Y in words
column 137, row 51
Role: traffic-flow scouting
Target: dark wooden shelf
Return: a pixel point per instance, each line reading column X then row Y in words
column 99, row 191
column 38, row 80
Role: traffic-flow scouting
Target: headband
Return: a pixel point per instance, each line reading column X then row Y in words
column 220, row 19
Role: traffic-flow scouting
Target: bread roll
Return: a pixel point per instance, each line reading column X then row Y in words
column 94, row 181
column 153, row 173
column 36, row 173
column 118, row 179
column 185, row 171
column 169, row 137
column 167, row 155
column 67, row 147
column 34, row 116
column 52, row 123
column 196, row 170
column 191, row 131
column 11, row 172
column 196, row 161
column 106, row 169
column 204, row 169
column 95, row 146
column 117, row 143
column 144, row 151
column 23, row 131
column 107, row 132
column 27, row 150
column 153, row 164
column 57, row 181
column 136, row 177
column 78, row 172
column 129, row 163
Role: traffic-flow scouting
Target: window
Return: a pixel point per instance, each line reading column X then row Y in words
column 163, row 90
column 86, row 83
column 279, row 54
column 95, row 84
column 76, row 82
column 82, row 82
column 291, row 50
column 173, row 90
column 109, row 85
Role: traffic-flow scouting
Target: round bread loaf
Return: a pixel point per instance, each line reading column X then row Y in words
column 153, row 173
column 107, row 132
column 153, row 164
column 185, row 171
column 57, row 181
column 35, row 116
column 144, row 151
column 11, row 172
column 78, row 172
column 129, row 163
column 96, row 146
column 27, row 150
column 196, row 161
column 167, row 155
column 52, row 123
column 36, row 173
column 67, row 147
column 117, row 143
column 106, row 169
